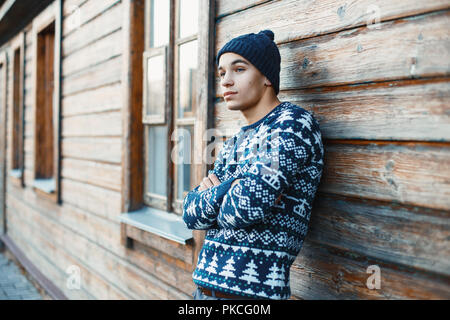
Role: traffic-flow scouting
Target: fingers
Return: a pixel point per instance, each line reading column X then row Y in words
column 207, row 183
column 214, row 179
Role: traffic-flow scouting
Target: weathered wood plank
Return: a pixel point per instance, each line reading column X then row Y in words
column 375, row 111
column 100, row 149
column 387, row 110
column 103, row 202
column 232, row 6
column 52, row 272
column 105, row 233
column 321, row 272
column 96, row 173
column 118, row 273
column 175, row 250
column 105, row 73
column 93, row 227
column 411, row 236
column 101, row 50
column 410, row 173
column 401, row 49
column 28, row 96
column 306, row 19
column 102, row 99
column 77, row 13
column 176, row 272
column 97, row 28
column 93, row 125
column 74, row 251
column 38, row 232
column 69, row 6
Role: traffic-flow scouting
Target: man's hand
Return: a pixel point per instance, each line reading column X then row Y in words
column 209, row 181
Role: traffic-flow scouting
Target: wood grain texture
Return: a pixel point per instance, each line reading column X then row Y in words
column 309, row 19
column 371, row 111
column 407, row 48
column 380, row 111
column 412, row 173
column 381, row 96
column 104, row 175
column 116, row 272
column 322, row 272
column 91, row 281
column 409, row 236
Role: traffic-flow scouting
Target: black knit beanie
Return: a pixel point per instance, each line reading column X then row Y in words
column 261, row 51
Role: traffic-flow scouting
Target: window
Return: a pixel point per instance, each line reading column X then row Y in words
column 17, row 115
column 169, row 103
column 47, row 131
column 170, row 45
column 44, row 131
column 44, row 168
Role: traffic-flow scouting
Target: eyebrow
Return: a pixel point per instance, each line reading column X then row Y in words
column 234, row 62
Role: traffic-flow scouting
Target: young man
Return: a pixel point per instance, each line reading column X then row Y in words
column 256, row 202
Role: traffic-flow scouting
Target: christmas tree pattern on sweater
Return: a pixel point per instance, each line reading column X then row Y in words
column 251, row 239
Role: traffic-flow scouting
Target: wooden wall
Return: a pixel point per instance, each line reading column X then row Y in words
column 84, row 231
column 381, row 93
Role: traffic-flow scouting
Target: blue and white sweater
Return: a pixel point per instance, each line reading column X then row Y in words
column 251, row 240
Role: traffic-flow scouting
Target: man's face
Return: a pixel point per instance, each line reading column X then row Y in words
column 238, row 75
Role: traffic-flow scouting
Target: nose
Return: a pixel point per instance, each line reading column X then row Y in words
column 226, row 80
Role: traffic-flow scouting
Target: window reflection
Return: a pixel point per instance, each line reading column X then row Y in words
column 159, row 19
column 188, row 18
column 155, row 85
column 185, row 145
column 187, row 78
column 157, row 162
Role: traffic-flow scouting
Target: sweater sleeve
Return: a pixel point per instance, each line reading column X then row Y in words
column 200, row 208
column 249, row 201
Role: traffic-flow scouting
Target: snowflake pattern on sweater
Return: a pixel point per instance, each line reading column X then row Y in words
column 252, row 240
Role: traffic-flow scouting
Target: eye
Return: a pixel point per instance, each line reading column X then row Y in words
column 240, row 69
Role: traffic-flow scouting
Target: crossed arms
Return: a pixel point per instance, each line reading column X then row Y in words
column 238, row 203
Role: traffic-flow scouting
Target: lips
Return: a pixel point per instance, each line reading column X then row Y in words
column 228, row 93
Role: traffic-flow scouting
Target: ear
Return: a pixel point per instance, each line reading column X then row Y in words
column 267, row 83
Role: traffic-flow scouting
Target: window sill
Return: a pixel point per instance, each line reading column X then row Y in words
column 159, row 222
column 45, row 185
column 16, row 173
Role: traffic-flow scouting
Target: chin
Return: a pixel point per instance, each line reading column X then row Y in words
column 233, row 106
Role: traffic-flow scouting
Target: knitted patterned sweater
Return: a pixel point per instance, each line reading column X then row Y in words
column 252, row 239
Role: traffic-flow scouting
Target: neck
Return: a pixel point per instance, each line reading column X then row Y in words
column 263, row 107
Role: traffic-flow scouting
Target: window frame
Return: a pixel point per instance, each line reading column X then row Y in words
column 133, row 165
column 169, row 203
column 17, row 174
column 44, row 187
column 150, row 199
